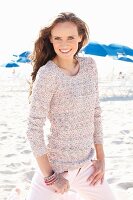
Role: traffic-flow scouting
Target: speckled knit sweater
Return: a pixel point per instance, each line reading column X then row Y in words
column 71, row 103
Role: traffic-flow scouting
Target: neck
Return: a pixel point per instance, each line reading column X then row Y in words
column 67, row 64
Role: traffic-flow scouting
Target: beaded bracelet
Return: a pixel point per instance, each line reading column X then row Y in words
column 50, row 180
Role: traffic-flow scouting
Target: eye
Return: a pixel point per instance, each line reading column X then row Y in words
column 70, row 38
column 57, row 38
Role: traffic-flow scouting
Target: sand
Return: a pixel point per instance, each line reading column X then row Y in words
column 17, row 164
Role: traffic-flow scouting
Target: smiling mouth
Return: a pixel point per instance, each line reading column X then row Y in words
column 65, row 51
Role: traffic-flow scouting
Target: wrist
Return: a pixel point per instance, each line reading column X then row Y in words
column 101, row 159
column 48, row 173
column 50, row 180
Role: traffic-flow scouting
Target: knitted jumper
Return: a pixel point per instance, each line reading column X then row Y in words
column 71, row 103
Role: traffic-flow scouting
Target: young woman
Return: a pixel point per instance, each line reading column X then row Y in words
column 65, row 91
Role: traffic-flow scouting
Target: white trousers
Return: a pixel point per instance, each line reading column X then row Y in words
column 79, row 187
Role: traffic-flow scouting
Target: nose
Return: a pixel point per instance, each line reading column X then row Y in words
column 64, row 44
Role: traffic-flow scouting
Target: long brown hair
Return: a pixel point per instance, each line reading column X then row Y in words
column 43, row 48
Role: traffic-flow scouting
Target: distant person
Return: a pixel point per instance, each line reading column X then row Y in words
column 13, row 71
column 121, row 76
column 65, row 90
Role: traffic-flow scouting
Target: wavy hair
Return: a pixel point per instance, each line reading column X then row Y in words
column 43, row 49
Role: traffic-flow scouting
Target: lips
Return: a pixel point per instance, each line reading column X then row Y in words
column 65, row 50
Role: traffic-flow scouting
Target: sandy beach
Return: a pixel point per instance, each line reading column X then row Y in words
column 17, row 164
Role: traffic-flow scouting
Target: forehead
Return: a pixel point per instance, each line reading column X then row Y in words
column 67, row 28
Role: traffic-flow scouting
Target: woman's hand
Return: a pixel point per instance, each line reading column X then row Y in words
column 98, row 174
column 61, row 185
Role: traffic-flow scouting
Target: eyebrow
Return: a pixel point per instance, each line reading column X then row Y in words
column 67, row 36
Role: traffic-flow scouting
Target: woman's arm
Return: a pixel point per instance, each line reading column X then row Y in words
column 44, row 165
column 99, row 152
column 99, row 163
column 98, row 131
column 42, row 93
column 43, row 90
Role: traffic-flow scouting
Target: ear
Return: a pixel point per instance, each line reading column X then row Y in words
column 80, row 38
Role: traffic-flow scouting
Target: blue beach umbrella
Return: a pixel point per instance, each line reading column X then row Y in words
column 117, row 48
column 25, row 54
column 121, row 49
column 110, row 51
column 11, row 65
column 95, row 48
column 125, row 59
column 23, row 60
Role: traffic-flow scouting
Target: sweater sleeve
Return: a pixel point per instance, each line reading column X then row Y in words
column 98, row 132
column 42, row 92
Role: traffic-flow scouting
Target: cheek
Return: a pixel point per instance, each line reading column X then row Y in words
column 75, row 44
column 55, row 45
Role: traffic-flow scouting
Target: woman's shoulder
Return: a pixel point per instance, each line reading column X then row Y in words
column 47, row 68
column 87, row 61
column 46, row 73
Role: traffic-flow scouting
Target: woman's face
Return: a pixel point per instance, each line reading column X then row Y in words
column 65, row 39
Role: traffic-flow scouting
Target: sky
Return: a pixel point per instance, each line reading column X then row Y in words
column 109, row 21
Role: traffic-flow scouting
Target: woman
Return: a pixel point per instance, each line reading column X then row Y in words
column 65, row 90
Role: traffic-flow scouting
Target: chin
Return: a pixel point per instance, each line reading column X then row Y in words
column 70, row 55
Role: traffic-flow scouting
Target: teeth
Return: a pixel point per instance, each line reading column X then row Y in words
column 64, row 51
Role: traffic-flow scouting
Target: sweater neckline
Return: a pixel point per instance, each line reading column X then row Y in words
column 65, row 74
